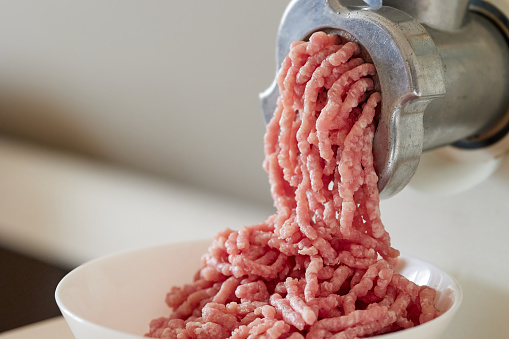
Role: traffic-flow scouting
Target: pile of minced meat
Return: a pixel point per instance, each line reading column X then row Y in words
column 322, row 266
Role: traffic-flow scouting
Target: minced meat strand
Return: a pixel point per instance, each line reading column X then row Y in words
column 322, row 265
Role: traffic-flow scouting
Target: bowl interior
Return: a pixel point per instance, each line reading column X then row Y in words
column 120, row 294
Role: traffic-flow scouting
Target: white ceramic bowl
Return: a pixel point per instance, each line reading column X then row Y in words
column 117, row 296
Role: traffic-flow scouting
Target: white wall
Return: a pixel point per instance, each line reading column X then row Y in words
column 169, row 87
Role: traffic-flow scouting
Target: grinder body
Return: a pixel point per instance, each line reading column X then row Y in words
column 444, row 78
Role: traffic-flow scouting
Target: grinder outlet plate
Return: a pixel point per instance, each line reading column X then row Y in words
column 409, row 68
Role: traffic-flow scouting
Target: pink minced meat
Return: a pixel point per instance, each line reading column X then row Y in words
column 322, row 266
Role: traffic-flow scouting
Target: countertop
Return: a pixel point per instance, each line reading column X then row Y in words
column 55, row 328
column 66, row 209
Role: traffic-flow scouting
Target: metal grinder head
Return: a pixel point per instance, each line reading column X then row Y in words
column 442, row 69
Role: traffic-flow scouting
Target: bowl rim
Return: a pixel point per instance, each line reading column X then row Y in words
column 458, row 291
column 66, row 312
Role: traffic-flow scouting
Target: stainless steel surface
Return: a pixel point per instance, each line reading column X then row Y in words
column 438, row 86
column 476, row 64
column 362, row 4
column 445, row 15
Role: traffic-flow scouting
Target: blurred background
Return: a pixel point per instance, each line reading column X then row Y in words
column 119, row 121
column 130, row 123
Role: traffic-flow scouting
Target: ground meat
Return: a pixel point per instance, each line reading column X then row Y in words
column 322, row 266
